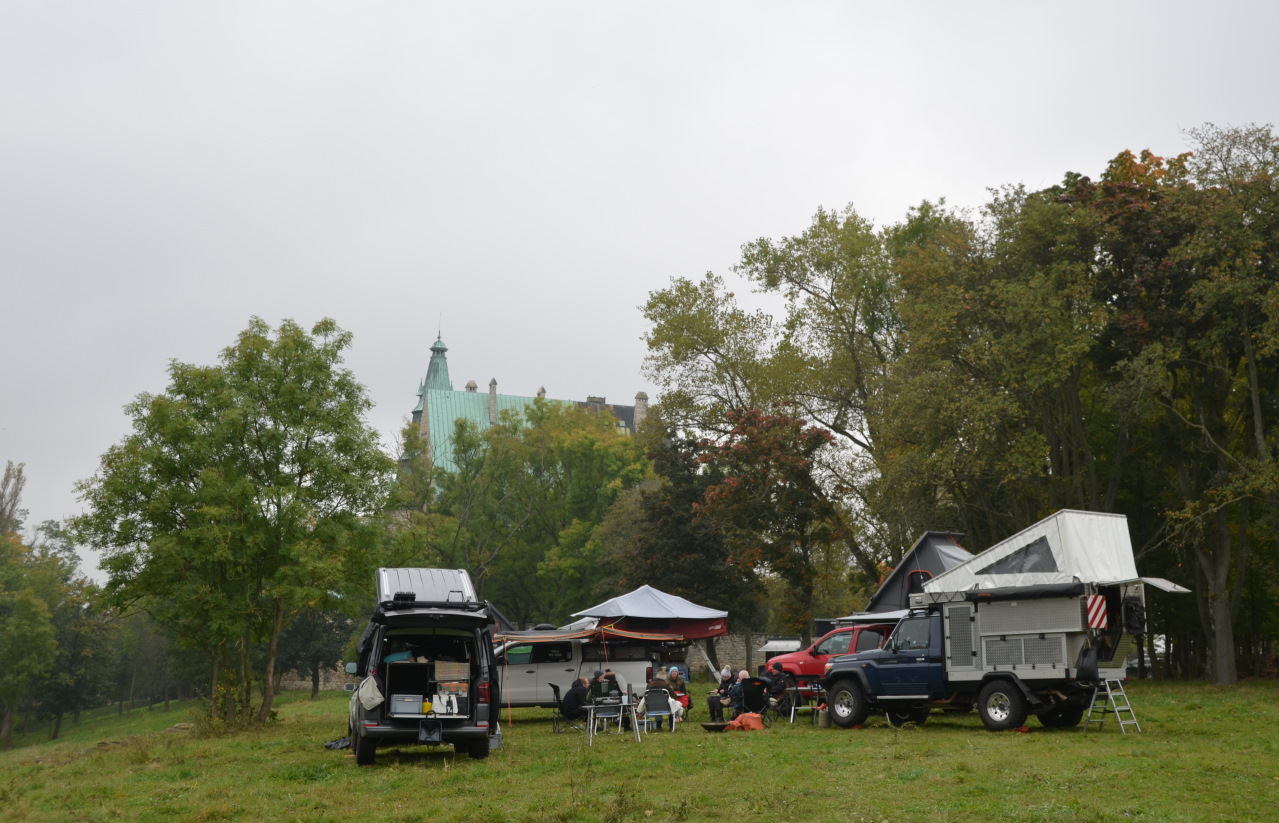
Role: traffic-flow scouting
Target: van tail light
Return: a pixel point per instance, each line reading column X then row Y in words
column 482, row 692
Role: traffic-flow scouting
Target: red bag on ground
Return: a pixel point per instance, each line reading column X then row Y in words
column 748, row 722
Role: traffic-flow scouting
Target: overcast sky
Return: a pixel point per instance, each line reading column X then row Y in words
column 519, row 175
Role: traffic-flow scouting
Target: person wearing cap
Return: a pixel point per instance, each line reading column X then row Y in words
column 715, row 702
column 776, row 684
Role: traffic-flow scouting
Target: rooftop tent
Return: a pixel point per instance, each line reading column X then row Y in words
column 932, row 554
column 649, row 610
column 1066, row 547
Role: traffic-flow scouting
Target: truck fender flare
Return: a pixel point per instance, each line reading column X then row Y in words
column 856, row 675
column 1032, row 699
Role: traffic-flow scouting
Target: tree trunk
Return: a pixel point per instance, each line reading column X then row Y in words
column 315, row 680
column 245, row 694
column 6, row 725
column 57, row 726
column 1214, row 562
column 277, row 622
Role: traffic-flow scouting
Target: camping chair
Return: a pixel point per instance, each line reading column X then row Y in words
column 608, row 708
column 558, row 721
column 657, row 708
column 755, row 699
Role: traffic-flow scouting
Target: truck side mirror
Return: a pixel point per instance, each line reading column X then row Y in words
column 351, row 668
column 348, row 687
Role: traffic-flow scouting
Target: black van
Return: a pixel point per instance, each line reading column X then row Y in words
column 427, row 665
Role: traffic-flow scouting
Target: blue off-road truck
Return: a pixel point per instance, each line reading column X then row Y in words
column 1030, row 626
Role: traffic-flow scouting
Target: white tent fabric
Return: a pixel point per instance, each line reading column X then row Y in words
column 647, row 601
column 1069, row 546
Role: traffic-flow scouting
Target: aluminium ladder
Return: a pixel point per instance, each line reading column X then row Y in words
column 1110, row 698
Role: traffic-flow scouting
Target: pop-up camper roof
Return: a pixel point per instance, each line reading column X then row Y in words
column 1066, row 547
column 932, row 554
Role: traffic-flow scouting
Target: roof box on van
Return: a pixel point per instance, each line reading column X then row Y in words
column 451, row 586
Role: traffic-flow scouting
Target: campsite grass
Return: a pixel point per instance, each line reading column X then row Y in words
column 1206, row 754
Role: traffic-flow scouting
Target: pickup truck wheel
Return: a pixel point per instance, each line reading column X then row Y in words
column 479, row 749
column 847, row 705
column 900, row 717
column 1063, row 717
column 365, row 749
column 1001, row 706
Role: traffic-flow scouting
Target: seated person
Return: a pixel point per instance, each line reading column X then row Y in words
column 679, row 691
column 615, row 679
column 715, row 702
column 573, row 706
column 776, row 684
column 735, row 692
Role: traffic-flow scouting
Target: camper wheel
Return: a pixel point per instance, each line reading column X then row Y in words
column 479, row 749
column 1062, row 717
column 847, row 704
column 1001, row 706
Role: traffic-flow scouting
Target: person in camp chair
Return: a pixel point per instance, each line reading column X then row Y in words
column 573, row 706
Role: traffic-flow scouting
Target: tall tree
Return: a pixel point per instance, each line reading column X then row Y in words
column 771, row 505
column 239, row 495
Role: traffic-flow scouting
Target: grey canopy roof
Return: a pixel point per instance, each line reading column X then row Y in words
column 647, row 601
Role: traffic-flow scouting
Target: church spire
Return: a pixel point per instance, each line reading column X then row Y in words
column 437, row 373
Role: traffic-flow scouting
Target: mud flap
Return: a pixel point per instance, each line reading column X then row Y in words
column 430, row 732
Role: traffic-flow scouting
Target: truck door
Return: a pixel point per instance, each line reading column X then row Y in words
column 911, row 664
column 519, row 678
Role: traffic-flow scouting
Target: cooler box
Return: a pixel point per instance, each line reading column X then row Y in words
column 406, row 704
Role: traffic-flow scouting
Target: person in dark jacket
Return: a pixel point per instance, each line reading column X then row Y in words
column 573, row 706
column 715, row 701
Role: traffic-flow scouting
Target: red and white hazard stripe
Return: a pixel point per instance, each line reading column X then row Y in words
column 1097, row 612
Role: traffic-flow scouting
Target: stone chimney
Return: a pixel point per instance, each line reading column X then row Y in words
column 493, row 402
column 641, row 409
column 471, row 387
column 541, row 392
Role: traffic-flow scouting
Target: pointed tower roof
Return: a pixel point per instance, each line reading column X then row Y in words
column 437, row 373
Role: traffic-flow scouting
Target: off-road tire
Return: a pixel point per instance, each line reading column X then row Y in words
column 900, row 717
column 365, row 749
column 847, row 704
column 479, row 749
column 1001, row 706
column 1062, row 717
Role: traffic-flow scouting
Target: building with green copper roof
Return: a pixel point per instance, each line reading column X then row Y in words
column 439, row 406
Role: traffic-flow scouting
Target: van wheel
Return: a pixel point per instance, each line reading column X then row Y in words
column 1001, row 706
column 479, row 749
column 847, row 705
column 365, row 749
column 900, row 717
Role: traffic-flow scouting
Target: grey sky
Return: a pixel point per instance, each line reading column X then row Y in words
column 523, row 172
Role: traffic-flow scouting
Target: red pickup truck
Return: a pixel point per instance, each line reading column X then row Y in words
column 807, row 665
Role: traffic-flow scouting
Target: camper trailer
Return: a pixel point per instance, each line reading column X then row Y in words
column 1032, row 625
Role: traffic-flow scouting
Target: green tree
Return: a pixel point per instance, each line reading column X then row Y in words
column 771, row 506
column 240, row 496
column 654, row 536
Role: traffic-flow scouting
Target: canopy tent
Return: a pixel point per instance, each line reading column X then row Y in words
column 1066, row 547
column 649, row 610
column 932, row 554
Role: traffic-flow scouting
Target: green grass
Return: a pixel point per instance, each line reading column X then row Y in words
column 1207, row 754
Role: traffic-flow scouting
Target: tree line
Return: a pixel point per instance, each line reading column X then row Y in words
column 1105, row 344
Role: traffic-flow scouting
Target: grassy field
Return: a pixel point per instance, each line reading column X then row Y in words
column 1206, row 754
